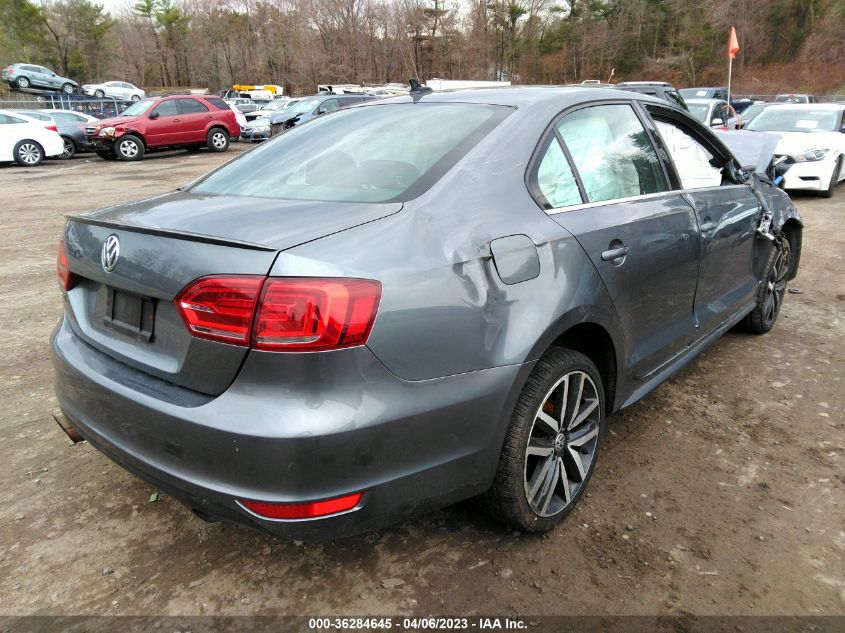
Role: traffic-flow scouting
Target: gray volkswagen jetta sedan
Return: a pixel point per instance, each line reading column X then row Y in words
column 412, row 302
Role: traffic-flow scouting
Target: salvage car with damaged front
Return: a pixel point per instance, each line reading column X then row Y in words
column 412, row 302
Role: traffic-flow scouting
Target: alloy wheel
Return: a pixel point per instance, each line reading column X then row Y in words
column 562, row 444
column 218, row 140
column 22, row 82
column 128, row 149
column 776, row 285
column 29, row 153
column 68, row 149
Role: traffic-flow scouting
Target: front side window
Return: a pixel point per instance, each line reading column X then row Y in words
column 165, row 108
column 612, row 152
column 371, row 154
column 330, row 105
column 693, row 161
column 554, row 181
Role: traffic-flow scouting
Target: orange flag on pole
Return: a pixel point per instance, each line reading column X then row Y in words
column 733, row 44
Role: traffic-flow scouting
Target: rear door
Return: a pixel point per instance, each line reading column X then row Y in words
column 195, row 118
column 164, row 126
column 641, row 235
column 728, row 214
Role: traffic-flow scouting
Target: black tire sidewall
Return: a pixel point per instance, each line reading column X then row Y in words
column 68, row 141
column 211, row 133
column 834, row 179
column 512, row 502
column 755, row 322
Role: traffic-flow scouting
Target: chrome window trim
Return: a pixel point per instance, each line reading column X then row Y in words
column 645, row 196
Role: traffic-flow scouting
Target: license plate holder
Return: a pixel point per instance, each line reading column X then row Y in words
column 130, row 314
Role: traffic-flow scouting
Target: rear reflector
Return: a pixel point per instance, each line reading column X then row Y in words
column 67, row 279
column 298, row 314
column 283, row 314
column 220, row 308
column 308, row 510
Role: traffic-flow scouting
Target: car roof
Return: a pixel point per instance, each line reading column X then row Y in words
column 528, row 97
column 645, row 83
column 703, row 100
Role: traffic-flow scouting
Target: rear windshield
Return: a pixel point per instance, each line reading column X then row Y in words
column 384, row 153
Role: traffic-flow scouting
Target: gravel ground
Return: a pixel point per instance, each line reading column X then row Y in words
column 720, row 493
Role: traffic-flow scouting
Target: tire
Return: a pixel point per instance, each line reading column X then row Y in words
column 771, row 292
column 534, row 492
column 28, row 153
column 68, row 88
column 70, row 148
column 834, row 180
column 129, row 147
column 99, row 94
column 23, row 82
column 107, row 155
column 217, row 139
column 135, row 97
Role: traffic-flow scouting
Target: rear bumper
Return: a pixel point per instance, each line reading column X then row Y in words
column 255, row 134
column 293, row 428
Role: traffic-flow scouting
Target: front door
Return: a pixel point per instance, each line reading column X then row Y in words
column 728, row 214
column 165, row 125
column 642, row 237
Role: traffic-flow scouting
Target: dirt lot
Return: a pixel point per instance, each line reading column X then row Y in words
column 721, row 493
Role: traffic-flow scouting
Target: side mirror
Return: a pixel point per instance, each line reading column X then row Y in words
column 154, row 115
column 716, row 121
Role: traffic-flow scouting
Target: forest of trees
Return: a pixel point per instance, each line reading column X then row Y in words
column 797, row 44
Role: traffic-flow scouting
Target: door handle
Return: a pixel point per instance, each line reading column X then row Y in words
column 177, row 120
column 615, row 253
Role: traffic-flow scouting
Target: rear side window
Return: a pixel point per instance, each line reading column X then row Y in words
column 382, row 153
column 612, row 152
column 191, row 106
column 8, row 119
column 218, row 103
column 554, row 183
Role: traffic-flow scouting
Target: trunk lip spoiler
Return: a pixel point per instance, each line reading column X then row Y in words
column 184, row 235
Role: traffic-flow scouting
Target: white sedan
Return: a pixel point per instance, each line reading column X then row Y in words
column 115, row 90
column 812, row 140
column 27, row 141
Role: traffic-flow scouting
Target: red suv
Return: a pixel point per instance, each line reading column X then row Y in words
column 178, row 121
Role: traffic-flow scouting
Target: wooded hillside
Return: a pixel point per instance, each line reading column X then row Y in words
column 785, row 44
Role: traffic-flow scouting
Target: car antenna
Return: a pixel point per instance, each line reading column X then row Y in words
column 417, row 90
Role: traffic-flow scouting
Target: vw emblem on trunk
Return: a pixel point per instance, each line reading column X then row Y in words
column 110, row 253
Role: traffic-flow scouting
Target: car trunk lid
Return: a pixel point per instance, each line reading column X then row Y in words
column 164, row 244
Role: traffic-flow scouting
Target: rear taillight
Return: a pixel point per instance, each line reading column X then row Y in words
column 220, row 308
column 281, row 314
column 315, row 314
column 307, row 510
column 52, row 128
column 67, row 279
